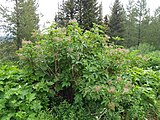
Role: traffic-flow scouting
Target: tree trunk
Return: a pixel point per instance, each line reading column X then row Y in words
column 18, row 39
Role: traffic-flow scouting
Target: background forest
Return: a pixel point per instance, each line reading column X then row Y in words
column 84, row 66
column 134, row 23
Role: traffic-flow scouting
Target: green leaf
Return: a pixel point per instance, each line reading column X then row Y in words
column 30, row 97
column 7, row 117
column 65, row 84
column 20, row 114
column 36, row 105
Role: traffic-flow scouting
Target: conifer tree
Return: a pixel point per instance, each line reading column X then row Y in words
column 153, row 37
column 30, row 19
column 59, row 17
column 106, row 25
column 89, row 13
column 116, row 22
column 143, row 19
column 86, row 12
column 100, row 15
column 131, row 25
column 22, row 20
column 106, row 21
column 137, row 23
column 79, row 9
column 66, row 11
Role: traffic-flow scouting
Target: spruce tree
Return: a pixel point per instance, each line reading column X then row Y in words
column 66, row 11
column 30, row 19
column 89, row 13
column 86, row 12
column 79, row 9
column 106, row 25
column 143, row 19
column 153, row 37
column 59, row 17
column 131, row 25
column 100, row 14
column 117, row 18
column 106, row 21
column 22, row 20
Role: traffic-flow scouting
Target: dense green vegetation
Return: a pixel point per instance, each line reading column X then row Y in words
column 67, row 75
column 81, row 67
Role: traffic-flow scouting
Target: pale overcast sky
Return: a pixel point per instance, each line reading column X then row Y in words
column 49, row 7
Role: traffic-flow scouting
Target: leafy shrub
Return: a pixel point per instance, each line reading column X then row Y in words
column 78, row 75
column 7, row 51
column 18, row 99
column 154, row 61
column 144, row 48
